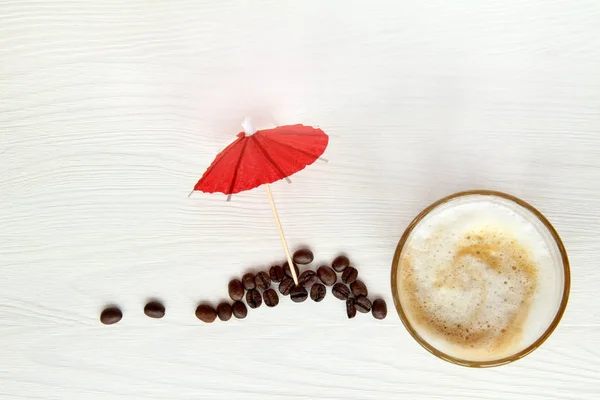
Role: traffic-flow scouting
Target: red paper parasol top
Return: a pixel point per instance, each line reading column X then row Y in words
column 261, row 157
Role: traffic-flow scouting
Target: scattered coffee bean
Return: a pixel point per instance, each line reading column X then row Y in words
column 224, row 311
column 276, row 273
column 298, row 294
column 350, row 308
column 307, row 278
column 270, row 297
column 258, row 288
column 379, row 309
column 154, row 309
column 340, row 291
column 253, row 298
column 358, row 288
column 286, row 286
column 288, row 272
column 340, row 263
column 262, row 280
column 349, row 275
column 206, row 313
column 303, row 256
column 362, row 304
column 318, row 292
column 236, row 290
column 327, row 275
column 248, row 281
column 239, row 310
column 111, row 315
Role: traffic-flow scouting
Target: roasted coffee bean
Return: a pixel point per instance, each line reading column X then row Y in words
column 248, row 281
column 349, row 275
column 307, row 278
column 298, row 294
column 303, row 256
column 236, row 290
column 358, row 288
column 350, row 308
column 270, row 297
column 253, row 298
column 262, row 281
column 340, row 263
column 379, row 309
column 224, row 311
column 111, row 315
column 206, row 313
column 362, row 304
column 326, row 275
column 318, row 292
column 276, row 273
column 154, row 309
column 239, row 310
column 288, row 272
column 340, row 291
column 286, row 286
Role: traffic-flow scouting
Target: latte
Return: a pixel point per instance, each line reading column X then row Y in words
column 480, row 278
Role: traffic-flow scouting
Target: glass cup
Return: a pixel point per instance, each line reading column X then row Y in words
column 538, row 332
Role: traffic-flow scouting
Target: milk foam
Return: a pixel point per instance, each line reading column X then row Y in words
column 480, row 278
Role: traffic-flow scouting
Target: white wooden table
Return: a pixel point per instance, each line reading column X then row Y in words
column 111, row 110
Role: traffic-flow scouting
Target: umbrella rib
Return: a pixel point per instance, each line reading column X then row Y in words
column 294, row 148
column 269, row 159
column 237, row 168
column 214, row 164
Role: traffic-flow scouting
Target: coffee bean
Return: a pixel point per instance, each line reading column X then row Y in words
column 358, row 288
column 239, row 310
column 350, row 308
column 349, row 275
column 318, row 292
column 248, row 281
column 270, row 297
column 224, row 311
column 326, row 275
column 340, row 291
column 307, row 278
column 379, row 309
column 362, row 304
column 154, row 309
column 276, row 273
column 236, row 290
column 286, row 286
column 288, row 272
column 298, row 294
column 340, row 263
column 206, row 313
column 303, row 256
column 262, row 280
column 253, row 298
column 111, row 315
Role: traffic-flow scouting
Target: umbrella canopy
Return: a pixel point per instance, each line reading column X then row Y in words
column 261, row 157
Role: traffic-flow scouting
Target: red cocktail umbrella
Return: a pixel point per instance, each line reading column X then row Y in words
column 261, row 157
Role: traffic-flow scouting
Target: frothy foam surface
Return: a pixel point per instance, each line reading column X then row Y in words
column 480, row 278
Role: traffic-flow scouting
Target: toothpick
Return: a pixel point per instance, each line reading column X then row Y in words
column 281, row 234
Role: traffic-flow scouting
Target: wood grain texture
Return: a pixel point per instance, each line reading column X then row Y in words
column 110, row 111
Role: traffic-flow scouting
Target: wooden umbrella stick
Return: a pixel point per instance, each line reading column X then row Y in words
column 281, row 235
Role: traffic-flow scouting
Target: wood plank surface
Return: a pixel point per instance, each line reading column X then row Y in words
column 111, row 110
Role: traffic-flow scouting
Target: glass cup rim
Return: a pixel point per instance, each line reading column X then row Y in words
column 504, row 360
